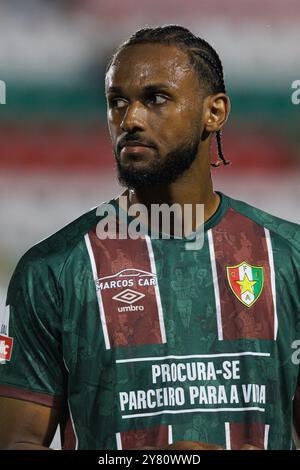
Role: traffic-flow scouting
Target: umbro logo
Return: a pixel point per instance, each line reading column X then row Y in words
column 128, row 296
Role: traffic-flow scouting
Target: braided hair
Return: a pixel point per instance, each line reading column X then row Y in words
column 203, row 58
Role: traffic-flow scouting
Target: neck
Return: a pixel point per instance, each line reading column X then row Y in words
column 193, row 187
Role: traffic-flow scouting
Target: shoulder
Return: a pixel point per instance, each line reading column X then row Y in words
column 46, row 258
column 59, row 244
column 285, row 231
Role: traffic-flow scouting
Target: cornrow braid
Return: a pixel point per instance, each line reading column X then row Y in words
column 220, row 152
column 203, row 58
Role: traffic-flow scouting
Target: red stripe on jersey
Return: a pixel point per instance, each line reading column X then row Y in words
column 236, row 239
column 246, row 433
column 128, row 291
column 149, row 437
column 40, row 398
column 68, row 436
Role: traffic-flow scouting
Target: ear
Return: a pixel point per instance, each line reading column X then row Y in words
column 216, row 110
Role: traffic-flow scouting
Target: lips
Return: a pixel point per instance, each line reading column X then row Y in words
column 137, row 150
column 135, row 143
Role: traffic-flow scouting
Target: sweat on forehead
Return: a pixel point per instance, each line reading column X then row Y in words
column 150, row 61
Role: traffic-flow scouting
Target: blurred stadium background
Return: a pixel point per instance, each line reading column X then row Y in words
column 55, row 156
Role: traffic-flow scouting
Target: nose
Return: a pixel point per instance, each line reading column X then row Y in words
column 134, row 118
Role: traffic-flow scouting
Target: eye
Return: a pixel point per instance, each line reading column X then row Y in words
column 158, row 99
column 118, row 103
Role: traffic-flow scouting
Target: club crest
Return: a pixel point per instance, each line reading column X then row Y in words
column 246, row 282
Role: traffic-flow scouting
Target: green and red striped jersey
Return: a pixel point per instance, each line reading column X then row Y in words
column 150, row 343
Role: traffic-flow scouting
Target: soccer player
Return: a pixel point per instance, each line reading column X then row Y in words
column 141, row 342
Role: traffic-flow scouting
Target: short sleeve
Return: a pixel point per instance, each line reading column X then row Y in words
column 31, row 357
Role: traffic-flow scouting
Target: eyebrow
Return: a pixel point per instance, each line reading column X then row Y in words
column 148, row 88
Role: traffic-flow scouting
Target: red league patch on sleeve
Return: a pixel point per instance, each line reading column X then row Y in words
column 6, row 344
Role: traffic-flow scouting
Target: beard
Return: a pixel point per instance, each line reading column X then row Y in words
column 161, row 172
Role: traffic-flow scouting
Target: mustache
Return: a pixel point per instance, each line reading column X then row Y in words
column 127, row 139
